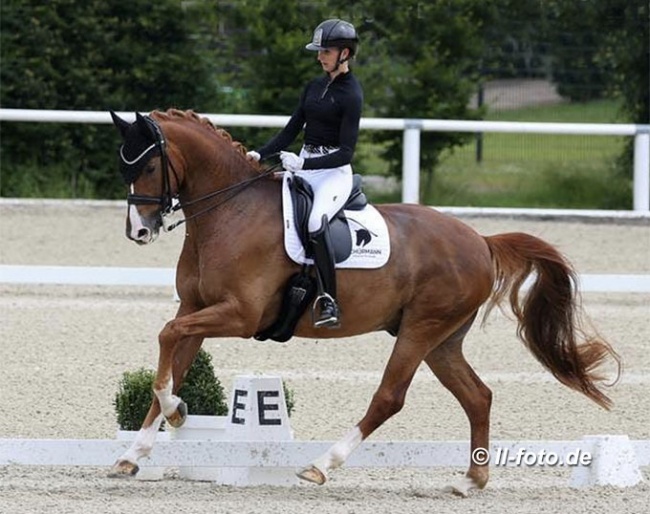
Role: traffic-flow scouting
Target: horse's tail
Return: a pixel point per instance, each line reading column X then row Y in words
column 549, row 316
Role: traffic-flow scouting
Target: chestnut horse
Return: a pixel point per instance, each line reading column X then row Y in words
column 233, row 269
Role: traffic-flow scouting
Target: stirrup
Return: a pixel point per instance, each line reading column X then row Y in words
column 329, row 314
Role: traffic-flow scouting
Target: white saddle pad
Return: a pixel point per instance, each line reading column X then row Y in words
column 370, row 242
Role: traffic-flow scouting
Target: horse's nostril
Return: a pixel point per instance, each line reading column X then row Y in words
column 142, row 233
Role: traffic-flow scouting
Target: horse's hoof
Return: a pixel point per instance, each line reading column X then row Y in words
column 123, row 469
column 312, row 474
column 462, row 487
column 177, row 419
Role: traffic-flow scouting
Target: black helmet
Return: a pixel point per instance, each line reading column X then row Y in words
column 334, row 33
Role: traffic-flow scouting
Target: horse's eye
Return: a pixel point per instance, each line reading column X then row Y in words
column 150, row 168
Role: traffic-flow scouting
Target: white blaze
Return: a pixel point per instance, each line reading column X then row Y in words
column 135, row 220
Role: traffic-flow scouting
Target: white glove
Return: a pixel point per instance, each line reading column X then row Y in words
column 253, row 155
column 291, row 162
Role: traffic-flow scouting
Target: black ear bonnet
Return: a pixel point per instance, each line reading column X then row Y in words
column 142, row 141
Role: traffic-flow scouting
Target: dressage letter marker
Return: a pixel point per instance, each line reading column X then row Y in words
column 238, row 393
column 258, row 410
column 263, row 407
column 258, row 413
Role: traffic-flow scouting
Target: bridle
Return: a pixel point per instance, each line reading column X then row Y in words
column 166, row 198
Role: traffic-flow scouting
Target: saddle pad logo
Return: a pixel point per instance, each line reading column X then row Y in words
column 363, row 237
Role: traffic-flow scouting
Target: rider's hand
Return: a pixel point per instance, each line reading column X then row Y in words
column 253, row 155
column 291, row 162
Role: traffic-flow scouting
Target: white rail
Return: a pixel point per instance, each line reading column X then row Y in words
column 261, row 453
column 412, row 129
column 165, row 277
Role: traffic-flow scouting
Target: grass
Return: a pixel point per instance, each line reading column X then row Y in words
column 532, row 170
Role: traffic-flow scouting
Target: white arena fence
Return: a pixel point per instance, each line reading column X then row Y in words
column 411, row 128
column 165, row 277
column 241, row 449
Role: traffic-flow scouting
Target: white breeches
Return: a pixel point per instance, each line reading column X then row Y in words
column 332, row 187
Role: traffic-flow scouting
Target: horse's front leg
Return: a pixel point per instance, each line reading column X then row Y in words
column 181, row 339
column 127, row 464
column 175, row 357
column 179, row 342
column 173, row 363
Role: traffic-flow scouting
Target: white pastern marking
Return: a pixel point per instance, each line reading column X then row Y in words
column 340, row 451
column 143, row 442
column 168, row 402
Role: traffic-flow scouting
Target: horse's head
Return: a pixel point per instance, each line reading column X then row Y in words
column 145, row 168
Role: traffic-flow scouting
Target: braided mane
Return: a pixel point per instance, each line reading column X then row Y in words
column 190, row 115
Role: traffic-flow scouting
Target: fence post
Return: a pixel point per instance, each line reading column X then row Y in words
column 642, row 171
column 411, row 161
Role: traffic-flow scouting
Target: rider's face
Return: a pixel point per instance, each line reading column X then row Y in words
column 329, row 57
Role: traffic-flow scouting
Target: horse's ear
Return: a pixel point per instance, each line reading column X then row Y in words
column 144, row 125
column 122, row 125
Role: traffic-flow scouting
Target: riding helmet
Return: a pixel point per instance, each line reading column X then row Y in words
column 334, row 33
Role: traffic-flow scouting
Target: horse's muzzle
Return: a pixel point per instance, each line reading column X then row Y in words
column 142, row 229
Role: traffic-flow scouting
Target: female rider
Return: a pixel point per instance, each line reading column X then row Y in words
column 329, row 111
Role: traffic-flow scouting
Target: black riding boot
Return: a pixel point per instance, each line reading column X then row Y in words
column 323, row 255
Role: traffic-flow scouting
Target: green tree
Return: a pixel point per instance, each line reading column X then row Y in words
column 93, row 55
column 514, row 35
column 419, row 61
column 626, row 46
column 617, row 59
column 264, row 57
column 578, row 69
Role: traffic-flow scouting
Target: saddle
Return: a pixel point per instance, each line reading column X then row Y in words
column 302, row 196
column 301, row 287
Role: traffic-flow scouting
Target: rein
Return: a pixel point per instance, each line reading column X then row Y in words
column 235, row 189
column 165, row 200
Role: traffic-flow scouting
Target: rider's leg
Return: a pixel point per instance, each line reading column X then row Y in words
column 323, row 255
column 331, row 190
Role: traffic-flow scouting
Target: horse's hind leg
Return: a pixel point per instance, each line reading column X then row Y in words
column 407, row 355
column 448, row 364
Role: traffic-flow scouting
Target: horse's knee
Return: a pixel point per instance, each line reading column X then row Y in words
column 167, row 335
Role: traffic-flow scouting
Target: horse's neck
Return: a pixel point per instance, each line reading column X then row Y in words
column 231, row 194
column 212, row 166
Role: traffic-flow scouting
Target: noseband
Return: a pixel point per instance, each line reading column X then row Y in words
column 165, row 200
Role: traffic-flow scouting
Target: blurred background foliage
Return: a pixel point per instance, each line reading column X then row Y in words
column 418, row 59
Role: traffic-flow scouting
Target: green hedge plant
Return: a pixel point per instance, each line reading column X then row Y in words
column 133, row 398
column 202, row 391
